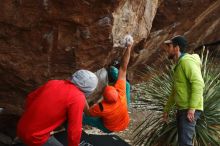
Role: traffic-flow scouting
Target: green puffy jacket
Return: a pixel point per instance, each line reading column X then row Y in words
column 188, row 85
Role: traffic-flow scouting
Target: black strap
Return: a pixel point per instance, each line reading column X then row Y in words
column 101, row 107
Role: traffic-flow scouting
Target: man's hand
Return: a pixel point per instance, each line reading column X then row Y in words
column 165, row 117
column 128, row 40
column 190, row 115
column 129, row 45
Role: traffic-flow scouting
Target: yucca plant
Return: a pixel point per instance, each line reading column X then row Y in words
column 154, row 94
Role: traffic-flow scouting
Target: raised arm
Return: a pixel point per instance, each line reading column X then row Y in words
column 124, row 63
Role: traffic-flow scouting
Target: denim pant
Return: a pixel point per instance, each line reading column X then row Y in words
column 186, row 129
column 52, row 141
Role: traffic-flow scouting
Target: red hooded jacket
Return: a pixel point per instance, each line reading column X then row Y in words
column 47, row 108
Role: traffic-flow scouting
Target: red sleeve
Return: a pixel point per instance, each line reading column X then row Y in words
column 95, row 111
column 75, row 112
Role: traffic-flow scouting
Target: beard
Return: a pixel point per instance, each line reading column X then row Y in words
column 171, row 56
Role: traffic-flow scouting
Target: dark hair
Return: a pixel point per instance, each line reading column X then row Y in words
column 110, row 78
column 182, row 49
column 181, row 42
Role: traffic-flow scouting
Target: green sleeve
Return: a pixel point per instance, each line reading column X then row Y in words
column 194, row 76
column 170, row 101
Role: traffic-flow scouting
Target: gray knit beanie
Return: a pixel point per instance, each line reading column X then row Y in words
column 85, row 80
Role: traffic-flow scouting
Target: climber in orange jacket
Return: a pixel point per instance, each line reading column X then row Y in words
column 111, row 114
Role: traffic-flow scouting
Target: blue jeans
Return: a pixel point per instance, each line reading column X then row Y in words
column 52, row 141
column 186, row 129
column 95, row 122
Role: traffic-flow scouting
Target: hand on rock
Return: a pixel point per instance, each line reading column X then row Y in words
column 128, row 40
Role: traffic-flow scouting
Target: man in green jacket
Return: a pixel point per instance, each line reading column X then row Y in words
column 187, row 93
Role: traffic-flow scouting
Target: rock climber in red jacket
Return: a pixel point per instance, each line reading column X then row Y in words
column 51, row 105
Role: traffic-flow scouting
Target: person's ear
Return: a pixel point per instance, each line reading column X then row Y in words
column 177, row 48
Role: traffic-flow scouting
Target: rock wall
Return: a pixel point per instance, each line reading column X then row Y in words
column 198, row 20
column 45, row 39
